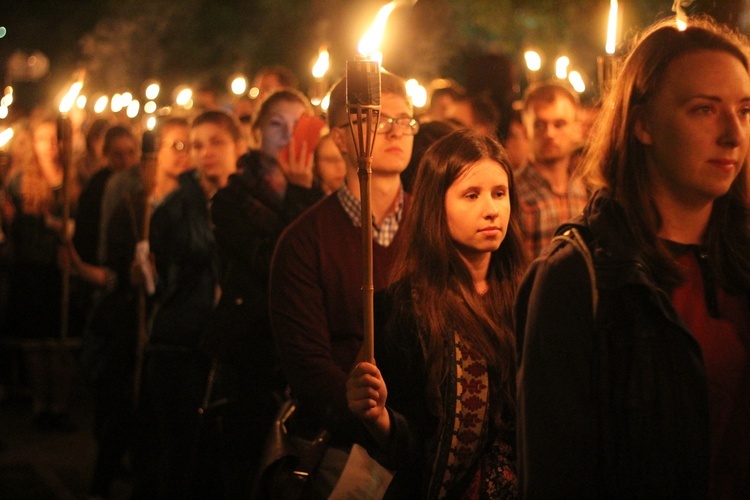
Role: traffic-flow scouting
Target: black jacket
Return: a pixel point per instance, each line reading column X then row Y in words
column 611, row 407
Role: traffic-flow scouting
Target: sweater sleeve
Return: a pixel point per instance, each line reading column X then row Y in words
column 557, row 454
column 301, row 329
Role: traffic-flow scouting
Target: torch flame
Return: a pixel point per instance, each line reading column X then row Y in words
column 369, row 43
column 66, row 104
column 612, row 27
column 5, row 136
column 321, row 65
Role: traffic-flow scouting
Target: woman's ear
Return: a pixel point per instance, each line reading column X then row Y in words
column 642, row 126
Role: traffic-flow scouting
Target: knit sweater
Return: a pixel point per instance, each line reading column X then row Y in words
column 316, row 310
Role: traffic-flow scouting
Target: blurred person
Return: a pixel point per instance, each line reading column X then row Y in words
column 315, row 286
column 215, row 146
column 120, row 149
column 548, row 192
column 243, row 110
column 440, row 400
column 517, row 143
column 268, row 80
column 634, row 326
column 93, row 158
column 109, row 350
column 206, row 98
column 329, row 166
column 34, row 307
column 427, row 134
column 445, row 93
column 476, row 112
column 187, row 278
column 248, row 216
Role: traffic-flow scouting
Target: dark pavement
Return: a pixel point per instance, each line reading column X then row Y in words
column 46, row 465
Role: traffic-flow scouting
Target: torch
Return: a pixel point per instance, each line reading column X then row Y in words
column 363, row 103
column 608, row 65
column 149, row 151
column 65, row 148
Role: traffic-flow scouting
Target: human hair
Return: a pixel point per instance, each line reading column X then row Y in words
column 427, row 135
column 113, row 133
column 616, row 159
column 338, row 113
column 95, row 131
column 220, row 119
column 284, row 75
column 549, row 92
column 36, row 192
column 444, row 296
column 284, row 95
column 445, row 87
column 172, row 123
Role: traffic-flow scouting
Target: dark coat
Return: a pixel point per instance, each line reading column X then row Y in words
column 611, row 407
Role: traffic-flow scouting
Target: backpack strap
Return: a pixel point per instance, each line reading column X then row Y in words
column 573, row 236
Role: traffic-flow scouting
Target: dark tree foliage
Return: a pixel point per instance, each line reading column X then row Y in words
column 122, row 43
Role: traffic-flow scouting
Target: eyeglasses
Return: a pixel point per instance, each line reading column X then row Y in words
column 410, row 126
column 178, row 146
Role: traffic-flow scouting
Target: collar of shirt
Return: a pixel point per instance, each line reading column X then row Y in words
column 386, row 232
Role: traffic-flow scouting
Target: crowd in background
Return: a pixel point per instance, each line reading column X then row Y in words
column 211, row 270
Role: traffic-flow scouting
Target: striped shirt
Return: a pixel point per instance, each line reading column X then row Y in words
column 383, row 234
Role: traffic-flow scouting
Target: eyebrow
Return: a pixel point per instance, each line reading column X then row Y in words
column 713, row 98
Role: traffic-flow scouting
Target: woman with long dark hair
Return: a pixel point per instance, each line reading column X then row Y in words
column 440, row 404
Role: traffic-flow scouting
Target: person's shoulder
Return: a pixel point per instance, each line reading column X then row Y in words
column 325, row 212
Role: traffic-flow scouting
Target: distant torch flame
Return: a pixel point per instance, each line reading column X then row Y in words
column 680, row 15
column 321, row 65
column 66, row 104
column 612, row 27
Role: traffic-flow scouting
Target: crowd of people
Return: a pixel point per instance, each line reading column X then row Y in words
column 558, row 313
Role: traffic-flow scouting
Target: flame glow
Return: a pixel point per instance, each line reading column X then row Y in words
column 612, row 28
column 561, row 67
column 238, row 85
column 66, row 104
column 370, row 42
column 5, row 136
column 152, row 91
column 533, row 60
column 101, row 104
column 321, row 65
column 576, row 80
column 680, row 16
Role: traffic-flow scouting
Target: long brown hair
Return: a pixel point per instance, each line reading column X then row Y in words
column 443, row 292
column 617, row 160
column 36, row 192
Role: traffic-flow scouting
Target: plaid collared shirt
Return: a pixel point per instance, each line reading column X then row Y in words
column 542, row 211
column 382, row 235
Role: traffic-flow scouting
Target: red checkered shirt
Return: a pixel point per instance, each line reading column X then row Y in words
column 542, row 211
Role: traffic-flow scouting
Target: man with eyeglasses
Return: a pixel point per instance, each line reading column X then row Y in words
column 316, row 274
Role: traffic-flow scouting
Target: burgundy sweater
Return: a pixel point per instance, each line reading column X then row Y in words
column 316, row 310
